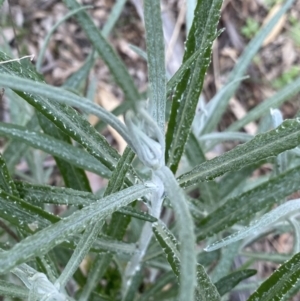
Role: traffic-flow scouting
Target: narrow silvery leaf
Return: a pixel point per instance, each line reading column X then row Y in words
column 207, row 113
column 272, row 143
column 196, row 156
column 186, row 234
column 74, row 81
column 15, row 149
column 296, row 225
column 65, row 196
column 67, row 119
column 169, row 244
column 157, row 287
column 244, row 206
column 258, row 225
column 82, row 248
column 133, row 286
column 38, row 284
column 146, row 138
column 205, row 290
column 242, row 65
column 292, row 292
column 271, row 257
column 11, row 290
column 224, row 265
column 117, row 226
column 65, row 97
column 280, row 283
column 187, row 91
column 231, row 182
column 227, row 283
column 119, row 174
column 156, row 61
column 22, row 214
column 281, row 162
column 139, row 51
column 50, row 33
column 6, row 182
column 225, row 136
column 93, row 229
column 175, row 79
column 55, row 147
column 106, row 52
column 113, row 17
column 73, row 176
column 48, row 238
column 274, row 101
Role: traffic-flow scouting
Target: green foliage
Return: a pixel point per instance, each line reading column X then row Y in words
column 145, row 217
column 286, row 78
column 294, row 33
column 250, row 28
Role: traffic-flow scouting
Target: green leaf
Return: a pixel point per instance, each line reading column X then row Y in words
column 296, row 227
column 227, row 283
column 273, row 102
column 38, row 194
column 195, row 155
column 117, row 226
column 157, row 287
column 67, row 98
column 65, row 118
column 118, row 176
column 112, row 60
column 99, row 266
column 272, row 143
column 16, row 149
column 139, row 51
column 6, row 182
column 74, row 81
column 81, row 250
column 280, row 282
column 187, row 92
column 206, row 259
column 225, row 136
column 113, row 17
column 292, row 292
column 224, row 264
column 22, row 214
column 205, row 290
column 185, row 66
column 247, row 204
column 133, row 286
column 234, row 179
column 241, row 67
column 119, row 110
column 272, row 257
column 50, row 33
column 107, row 244
column 169, row 245
column 258, row 225
column 11, row 290
column 55, row 147
column 156, row 61
column 73, row 177
column 208, row 112
column 186, row 233
column 46, row 239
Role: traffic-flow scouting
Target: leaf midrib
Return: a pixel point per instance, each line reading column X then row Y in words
column 229, row 162
column 186, row 106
